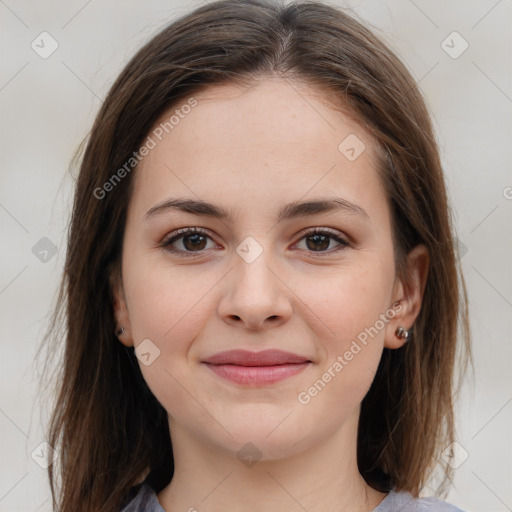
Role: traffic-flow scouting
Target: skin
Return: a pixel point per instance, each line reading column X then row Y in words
column 251, row 150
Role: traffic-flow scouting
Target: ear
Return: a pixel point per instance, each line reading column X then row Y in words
column 408, row 295
column 121, row 313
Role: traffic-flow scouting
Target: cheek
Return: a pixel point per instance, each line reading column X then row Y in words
column 354, row 309
column 170, row 309
column 167, row 305
column 348, row 300
column 351, row 338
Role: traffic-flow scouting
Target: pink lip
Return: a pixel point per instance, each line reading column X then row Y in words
column 265, row 367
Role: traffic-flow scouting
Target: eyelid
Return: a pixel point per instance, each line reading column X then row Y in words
column 334, row 232
column 336, row 235
column 342, row 240
column 185, row 231
column 179, row 233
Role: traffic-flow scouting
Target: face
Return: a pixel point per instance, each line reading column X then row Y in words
column 313, row 282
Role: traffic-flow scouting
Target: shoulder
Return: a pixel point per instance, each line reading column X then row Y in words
column 405, row 502
column 143, row 499
column 146, row 500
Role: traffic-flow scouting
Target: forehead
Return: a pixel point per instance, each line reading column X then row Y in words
column 275, row 140
column 232, row 116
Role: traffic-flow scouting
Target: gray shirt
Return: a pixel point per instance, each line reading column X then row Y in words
column 146, row 500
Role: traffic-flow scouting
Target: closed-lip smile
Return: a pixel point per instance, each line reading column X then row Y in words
column 256, row 368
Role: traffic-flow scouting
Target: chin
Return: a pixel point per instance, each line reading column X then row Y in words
column 269, row 434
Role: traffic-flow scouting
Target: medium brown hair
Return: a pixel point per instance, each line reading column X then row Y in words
column 110, row 431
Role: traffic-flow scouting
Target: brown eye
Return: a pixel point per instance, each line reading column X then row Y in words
column 192, row 240
column 319, row 240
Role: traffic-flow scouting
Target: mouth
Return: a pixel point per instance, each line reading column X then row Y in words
column 256, row 368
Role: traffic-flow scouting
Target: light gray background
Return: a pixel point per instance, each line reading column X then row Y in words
column 48, row 106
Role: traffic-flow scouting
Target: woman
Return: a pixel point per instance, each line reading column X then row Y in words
column 261, row 289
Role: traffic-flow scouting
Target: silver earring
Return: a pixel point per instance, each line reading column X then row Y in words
column 120, row 331
column 403, row 333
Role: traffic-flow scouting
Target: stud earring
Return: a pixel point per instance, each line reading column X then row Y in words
column 120, row 331
column 403, row 333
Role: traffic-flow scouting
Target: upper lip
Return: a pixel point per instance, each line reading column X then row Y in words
column 263, row 358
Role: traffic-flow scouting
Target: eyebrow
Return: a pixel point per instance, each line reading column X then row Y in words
column 289, row 211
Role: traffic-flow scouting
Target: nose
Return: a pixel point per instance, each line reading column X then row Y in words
column 255, row 294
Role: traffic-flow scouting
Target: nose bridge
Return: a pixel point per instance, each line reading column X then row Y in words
column 254, row 291
column 253, row 263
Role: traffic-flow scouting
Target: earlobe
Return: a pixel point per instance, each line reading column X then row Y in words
column 409, row 295
column 398, row 336
column 402, row 333
column 121, row 314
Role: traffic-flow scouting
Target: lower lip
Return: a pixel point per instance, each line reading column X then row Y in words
column 256, row 374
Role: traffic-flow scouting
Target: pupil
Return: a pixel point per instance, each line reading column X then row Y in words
column 322, row 245
column 197, row 240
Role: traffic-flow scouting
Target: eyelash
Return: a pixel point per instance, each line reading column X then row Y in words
column 180, row 233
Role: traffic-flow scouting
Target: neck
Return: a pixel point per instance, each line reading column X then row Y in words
column 323, row 478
